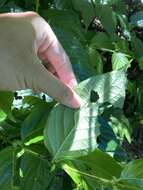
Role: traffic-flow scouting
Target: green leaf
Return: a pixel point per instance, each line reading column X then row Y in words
column 138, row 49
column 6, row 99
column 70, row 34
column 6, row 169
column 76, row 177
column 120, row 125
column 2, row 3
column 35, row 121
column 9, row 130
column 63, row 4
column 71, row 24
column 133, row 169
column 122, row 46
column 95, row 60
column 132, row 175
column 85, row 7
column 16, row 188
column 73, row 139
column 120, row 61
column 3, row 116
column 119, row 6
column 109, row 86
column 35, row 172
column 32, row 100
column 130, row 184
column 34, row 140
column 108, row 142
column 97, row 166
column 106, row 16
column 102, row 41
column 136, row 19
column 66, row 125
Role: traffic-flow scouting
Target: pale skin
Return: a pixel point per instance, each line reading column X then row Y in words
column 25, row 40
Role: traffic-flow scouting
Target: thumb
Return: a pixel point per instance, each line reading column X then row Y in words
column 44, row 81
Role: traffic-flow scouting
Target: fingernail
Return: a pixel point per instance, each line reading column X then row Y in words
column 75, row 101
column 72, row 83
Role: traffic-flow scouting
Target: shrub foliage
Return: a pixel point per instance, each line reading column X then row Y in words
column 47, row 146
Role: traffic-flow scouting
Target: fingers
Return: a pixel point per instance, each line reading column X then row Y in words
column 25, row 71
column 18, row 15
column 50, row 51
column 47, row 46
column 50, row 68
column 57, row 57
column 43, row 81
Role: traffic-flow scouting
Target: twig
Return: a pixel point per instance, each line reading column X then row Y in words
column 37, row 6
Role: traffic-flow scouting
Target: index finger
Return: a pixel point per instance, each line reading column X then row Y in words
column 56, row 56
column 51, row 52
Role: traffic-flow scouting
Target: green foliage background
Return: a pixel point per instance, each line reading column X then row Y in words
column 47, row 146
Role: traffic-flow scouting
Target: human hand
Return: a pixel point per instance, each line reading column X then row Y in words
column 25, row 40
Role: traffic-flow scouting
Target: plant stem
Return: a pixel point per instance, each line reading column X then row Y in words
column 37, row 6
column 104, row 181
column 93, row 4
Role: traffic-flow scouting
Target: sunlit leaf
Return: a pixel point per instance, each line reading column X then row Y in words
column 97, row 166
column 120, row 61
column 75, row 131
column 3, row 116
column 110, row 87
